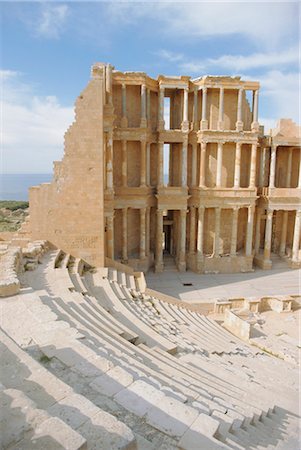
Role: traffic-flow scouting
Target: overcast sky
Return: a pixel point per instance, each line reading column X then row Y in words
column 48, row 48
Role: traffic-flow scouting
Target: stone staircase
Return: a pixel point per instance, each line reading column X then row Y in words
column 171, row 377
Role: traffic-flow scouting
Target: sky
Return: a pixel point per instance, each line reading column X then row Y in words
column 47, row 49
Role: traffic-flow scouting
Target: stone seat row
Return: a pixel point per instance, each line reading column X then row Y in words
column 150, row 382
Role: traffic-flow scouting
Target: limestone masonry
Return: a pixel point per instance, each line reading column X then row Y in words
column 231, row 196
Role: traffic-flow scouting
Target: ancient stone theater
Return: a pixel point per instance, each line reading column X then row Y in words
column 173, row 167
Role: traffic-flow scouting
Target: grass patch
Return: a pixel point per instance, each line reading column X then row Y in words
column 13, row 205
column 44, row 359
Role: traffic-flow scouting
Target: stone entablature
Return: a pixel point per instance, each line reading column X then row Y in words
column 176, row 166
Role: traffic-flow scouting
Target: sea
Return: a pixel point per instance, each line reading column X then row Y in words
column 15, row 186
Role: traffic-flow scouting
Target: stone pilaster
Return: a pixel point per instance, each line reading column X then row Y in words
column 159, row 237
column 202, row 180
column 257, row 231
column 289, row 168
column 160, row 163
column 239, row 122
column 185, row 123
column 125, row 235
column 200, row 235
column 161, row 109
column 182, row 252
column 204, row 121
column 194, row 164
column 253, row 166
column 147, row 250
column 143, row 121
column 282, row 247
column 184, row 163
column 233, row 248
column 148, row 164
column 296, row 239
column 249, row 237
column 142, row 233
column 268, row 236
column 273, row 166
column 143, row 164
column 263, row 157
column 110, row 236
column 237, row 165
column 220, row 124
column 192, row 231
column 219, row 164
column 217, row 232
column 255, row 124
column 124, row 119
column 195, row 109
column 109, row 158
column 124, row 164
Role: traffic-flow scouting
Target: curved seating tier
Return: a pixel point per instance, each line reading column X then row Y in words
column 174, row 376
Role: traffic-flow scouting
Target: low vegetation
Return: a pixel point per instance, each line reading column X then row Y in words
column 12, row 214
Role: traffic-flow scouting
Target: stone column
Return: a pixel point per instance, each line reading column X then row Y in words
column 147, row 249
column 110, row 236
column 268, row 235
column 184, row 163
column 142, row 233
column 217, row 231
column 148, row 164
column 204, row 121
column 195, row 109
column 257, row 232
column 262, row 167
column 282, row 247
column 299, row 178
column 273, row 166
column 221, row 110
column 255, row 125
column 202, row 181
column 124, row 120
column 239, row 122
column 194, row 163
column 109, row 148
column 148, row 108
column 237, row 165
column 233, row 248
column 124, row 164
column 253, row 166
column 192, row 231
column 249, row 237
column 124, row 234
column 159, row 236
column 143, row 121
column 289, row 168
column 185, row 123
column 160, row 163
column 200, row 235
column 182, row 252
column 161, row 109
column 219, row 164
column 143, row 164
column 296, row 239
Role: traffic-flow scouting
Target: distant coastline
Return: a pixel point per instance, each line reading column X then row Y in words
column 15, row 186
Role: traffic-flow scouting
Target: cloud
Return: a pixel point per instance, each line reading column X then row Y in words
column 238, row 63
column 266, row 24
column 52, row 20
column 33, row 127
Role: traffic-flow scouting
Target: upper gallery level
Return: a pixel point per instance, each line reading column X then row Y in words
column 179, row 104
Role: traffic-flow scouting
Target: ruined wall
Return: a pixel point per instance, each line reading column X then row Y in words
column 68, row 212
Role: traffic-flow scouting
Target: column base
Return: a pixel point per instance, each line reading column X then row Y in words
column 181, row 266
column 295, row 264
column 124, row 122
column 239, row 126
column 204, row 124
column 265, row 264
column 255, row 127
column 195, row 126
column 159, row 267
column 143, row 123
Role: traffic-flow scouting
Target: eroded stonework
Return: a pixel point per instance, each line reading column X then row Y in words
column 230, row 197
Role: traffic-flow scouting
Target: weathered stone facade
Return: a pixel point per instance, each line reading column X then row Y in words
column 230, row 193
